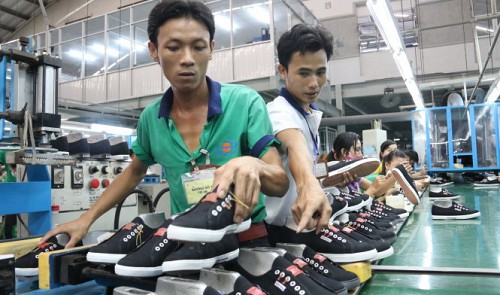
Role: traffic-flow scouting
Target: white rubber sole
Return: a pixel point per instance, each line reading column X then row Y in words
column 456, row 217
column 143, row 272
column 351, row 257
column 384, row 254
column 105, row 258
column 204, row 235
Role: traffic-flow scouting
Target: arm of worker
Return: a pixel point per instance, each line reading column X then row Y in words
column 251, row 175
column 381, row 185
column 311, row 208
column 114, row 193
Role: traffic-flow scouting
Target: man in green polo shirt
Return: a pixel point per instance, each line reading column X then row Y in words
column 197, row 121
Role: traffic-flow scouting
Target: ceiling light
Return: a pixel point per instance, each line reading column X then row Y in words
column 383, row 16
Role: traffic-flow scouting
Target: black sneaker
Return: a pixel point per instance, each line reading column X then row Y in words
column 364, row 227
column 444, row 194
column 27, row 265
column 176, row 285
column 276, row 274
column 384, row 249
column 367, row 200
column 406, row 183
column 126, row 239
column 328, row 283
column 147, row 259
column 402, row 213
column 359, row 167
column 197, row 255
column 353, row 203
column 378, row 223
column 207, row 221
column 229, row 282
column 487, row 182
column 455, row 211
column 339, row 205
column 322, row 264
column 438, row 181
column 330, row 242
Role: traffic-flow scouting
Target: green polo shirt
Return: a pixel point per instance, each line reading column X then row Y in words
column 237, row 125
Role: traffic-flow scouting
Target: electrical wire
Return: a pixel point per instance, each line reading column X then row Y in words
column 140, row 192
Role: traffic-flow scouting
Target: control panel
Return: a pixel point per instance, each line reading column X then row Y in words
column 76, row 188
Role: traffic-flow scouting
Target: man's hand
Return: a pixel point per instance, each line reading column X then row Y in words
column 244, row 174
column 311, row 209
column 76, row 229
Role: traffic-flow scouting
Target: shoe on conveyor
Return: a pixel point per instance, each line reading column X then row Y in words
column 207, row 221
column 126, row 239
column 455, row 211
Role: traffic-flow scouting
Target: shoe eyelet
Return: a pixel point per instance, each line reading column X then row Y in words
column 219, row 208
column 132, row 234
column 125, row 240
column 157, row 248
column 293, row 283
column 165, row 241
column 277, row 272
column 215, row 212
column 161, row 244
column 36, row 256
column 129, row 237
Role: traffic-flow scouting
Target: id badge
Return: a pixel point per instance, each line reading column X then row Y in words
column 320, row 169
column 198, row 183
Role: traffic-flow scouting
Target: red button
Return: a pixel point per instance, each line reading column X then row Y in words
column 105, row 182
column 94, row 183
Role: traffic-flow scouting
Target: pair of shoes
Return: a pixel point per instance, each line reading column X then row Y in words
column 339, row 205
column 443, row 194
column 490, row 181
column 406, row 183
column 126, row 239
column 277, row 275
column 326, row 282
column 205, row 241
column 322, row 264
column 27, row 265
column 455, row 211
column 330, row 242
column 359, row 167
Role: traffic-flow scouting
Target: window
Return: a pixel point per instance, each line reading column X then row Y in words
column 482, row 8
column 250, row 21
column 118, row 49
column 140, row 44
column 222, row 19
column 94, row 54
column 371, row 40
column 71, row 60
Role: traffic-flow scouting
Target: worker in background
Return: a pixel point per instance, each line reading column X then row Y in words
column 198, row 121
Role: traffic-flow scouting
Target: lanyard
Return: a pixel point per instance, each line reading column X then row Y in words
column 284, row 92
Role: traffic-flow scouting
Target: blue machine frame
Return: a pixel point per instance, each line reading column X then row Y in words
column 474, row 114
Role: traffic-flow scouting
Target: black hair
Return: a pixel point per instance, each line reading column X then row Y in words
column 385, row 145
column 397, row 153
column 344, row 140
column 170, row 9
column 412, row 155
column 304, row 38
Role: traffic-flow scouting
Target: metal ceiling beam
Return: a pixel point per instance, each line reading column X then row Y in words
column 14, row 12
column 7, row 28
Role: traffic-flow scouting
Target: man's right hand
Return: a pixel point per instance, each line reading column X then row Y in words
column 76, row 229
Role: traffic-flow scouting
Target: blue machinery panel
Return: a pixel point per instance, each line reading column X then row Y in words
column 32, row 197
column 477, row 118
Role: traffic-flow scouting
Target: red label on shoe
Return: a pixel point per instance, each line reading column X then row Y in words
column 210, row 197
column 255, row 291
column 294, row 270
column 360, row 220
column 319, row 257
column 347, row 230
column 160, row 232
column 128, row 226
column 299, row 262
